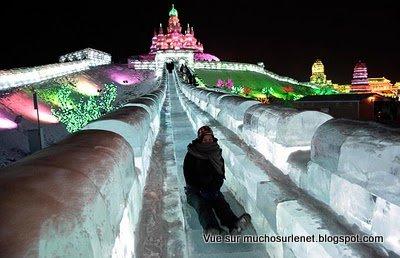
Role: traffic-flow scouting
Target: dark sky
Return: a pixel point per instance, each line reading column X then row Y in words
column 286, row 35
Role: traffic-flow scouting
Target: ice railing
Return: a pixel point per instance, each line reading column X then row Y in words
column 82, row 197
column 248, row 67
column 96, row 57
column 142, row 65
column 351, row 166
column 84, row 60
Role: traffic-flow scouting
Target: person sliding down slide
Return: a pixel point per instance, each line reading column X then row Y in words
column 204, row 172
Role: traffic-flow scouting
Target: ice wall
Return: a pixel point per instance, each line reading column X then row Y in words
column 275, row 132
column 358, row 164
column 66, row 200
column 82, row 197
column 138, row 122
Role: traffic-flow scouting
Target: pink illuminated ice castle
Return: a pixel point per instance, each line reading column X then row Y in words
column 174, row 39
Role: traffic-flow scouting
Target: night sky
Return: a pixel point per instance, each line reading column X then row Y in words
column 286, row 35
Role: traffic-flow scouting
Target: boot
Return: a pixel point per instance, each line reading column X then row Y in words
column 241, row 224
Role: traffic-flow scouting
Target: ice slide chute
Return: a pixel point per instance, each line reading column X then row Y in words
column 84, row 196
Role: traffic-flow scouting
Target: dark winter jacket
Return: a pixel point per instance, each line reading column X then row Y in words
column 201, row 175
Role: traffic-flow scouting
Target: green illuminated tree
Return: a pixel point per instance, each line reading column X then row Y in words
column 237, row 89
column 107, row 98
column 325, row 91
column 75, row 113
column 267, row 90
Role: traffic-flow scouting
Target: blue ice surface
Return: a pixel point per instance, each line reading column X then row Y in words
column 183, row 135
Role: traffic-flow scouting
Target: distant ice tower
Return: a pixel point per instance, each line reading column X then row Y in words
column 174, row 39
column 318, row 73
column 360, row 83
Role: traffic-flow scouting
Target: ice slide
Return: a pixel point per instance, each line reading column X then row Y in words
column 182, row 133
column 349, row 166
column 277, row 205
column 116, row 189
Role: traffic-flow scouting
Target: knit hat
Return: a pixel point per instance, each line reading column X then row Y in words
column 204, row 130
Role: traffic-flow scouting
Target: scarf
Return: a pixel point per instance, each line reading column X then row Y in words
column 210, row 151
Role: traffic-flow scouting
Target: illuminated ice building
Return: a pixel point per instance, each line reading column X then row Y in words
column 171, row 45
column 318, row 73
column 360, row 83
column 174, row 39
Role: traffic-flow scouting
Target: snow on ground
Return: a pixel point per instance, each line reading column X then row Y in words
column 14, row 143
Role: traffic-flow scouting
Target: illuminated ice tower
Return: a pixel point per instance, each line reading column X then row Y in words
column 174, row 39
column 171, row 45
column 360, row 83
column 318, row 73
column 173, row 23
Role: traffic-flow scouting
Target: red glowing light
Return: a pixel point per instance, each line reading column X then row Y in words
column 288, row 89
column 22, row 104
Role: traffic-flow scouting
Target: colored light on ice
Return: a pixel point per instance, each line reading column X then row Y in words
column 259, row 95
column 125, row 76
column 205, row 57
column 121, row 79
column 22, row 104
column 6, row 120
column 6, row 123
column 87, row 87
column 371, row 99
